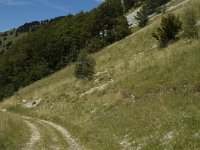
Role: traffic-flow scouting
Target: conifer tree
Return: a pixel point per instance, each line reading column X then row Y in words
column 142, row 17
column 85, row 66
column 168, row 30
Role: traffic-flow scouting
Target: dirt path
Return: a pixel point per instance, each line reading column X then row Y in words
column 35, row 136
column 73, row 145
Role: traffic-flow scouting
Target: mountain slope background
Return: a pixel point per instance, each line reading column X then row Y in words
column 141, row 97
column 8, row 38
column 58, row 43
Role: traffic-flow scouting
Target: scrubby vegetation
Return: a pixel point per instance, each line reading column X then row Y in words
column 142, row 17
column 150, row 5
column 168, row 30
column 189, row 24
column 85, row 66
column 13, row 132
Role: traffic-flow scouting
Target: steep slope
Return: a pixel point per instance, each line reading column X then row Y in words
column 141, row 98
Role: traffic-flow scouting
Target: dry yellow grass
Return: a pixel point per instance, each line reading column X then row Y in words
column 13, row 131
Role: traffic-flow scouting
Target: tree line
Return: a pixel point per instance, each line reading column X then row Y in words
column 58, row 43
column 34, row 25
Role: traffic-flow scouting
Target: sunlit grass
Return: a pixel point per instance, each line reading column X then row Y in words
column 13, row 132
column 154, row 103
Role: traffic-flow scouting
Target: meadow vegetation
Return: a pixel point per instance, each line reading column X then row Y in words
column 152, row 103
column 13, row 132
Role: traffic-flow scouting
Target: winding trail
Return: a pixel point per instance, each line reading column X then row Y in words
column 35, row 137
column 73, row 145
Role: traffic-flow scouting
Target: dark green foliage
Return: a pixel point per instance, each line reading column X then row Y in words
column 4, row 34
column 128, row 4
column 168, row 30
column 121, row 28
column 28, row 27
column 109, row 17
column 1, row 42
column 189, row 24
column 149, row 7
column 153, row 5
column 85, row 66
column 2, row 51
column 57, row 43
column 35, row 25
column 142, row 17
column 11, row 32
column 9, row 43
column 95, row 45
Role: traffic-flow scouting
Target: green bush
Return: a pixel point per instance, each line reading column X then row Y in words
column 95, row 45
column 168, row 30
column 142, row 17
column 85, row 67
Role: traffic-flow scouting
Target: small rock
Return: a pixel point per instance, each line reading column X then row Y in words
column 32, row 104
column 132, row 96
column 93, row 111
column 196, row 135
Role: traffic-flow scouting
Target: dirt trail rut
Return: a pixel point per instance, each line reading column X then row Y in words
column 73, row 145
column 35, row 136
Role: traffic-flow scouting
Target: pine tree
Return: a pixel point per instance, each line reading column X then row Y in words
column 168, row 30
column 85, row 66
column 142, row 17
column 128, row 4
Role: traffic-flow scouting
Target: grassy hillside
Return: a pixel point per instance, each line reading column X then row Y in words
column 142, row 97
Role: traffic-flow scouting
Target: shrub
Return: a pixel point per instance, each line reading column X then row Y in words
column 128, row 4
column 5, row 38
column 85, row 67
column 142, row 17
column 95, row 45
column 189, row 24
column 168, row 30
